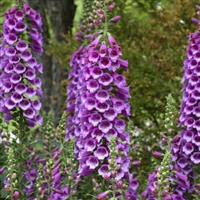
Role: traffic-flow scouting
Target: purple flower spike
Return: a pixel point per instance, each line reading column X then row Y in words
column 16, row 195
column 196, row 140
column 32, row 62
column 17, row 64
column 157, row 154
column 115, row 19
column 188, row 135
column 31, row 123
column 1, row 50
column 7, row 86
column 93, row 99
column 123, row 63
column 39, row 67
column 114, row 66
column 39, row 119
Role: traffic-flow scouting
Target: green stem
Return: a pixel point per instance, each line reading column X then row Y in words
column 114, row 188
column 105, row 31
column 20, row 151
column 20, row 3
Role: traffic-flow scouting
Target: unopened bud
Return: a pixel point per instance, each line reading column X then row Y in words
column 15, row 195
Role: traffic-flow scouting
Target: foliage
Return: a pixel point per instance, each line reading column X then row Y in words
column 155, row 47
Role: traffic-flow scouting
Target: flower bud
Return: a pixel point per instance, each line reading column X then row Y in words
column 102, row 195
column 115, row 19
column 157, row 154
column 15, row 195
column 1, row 170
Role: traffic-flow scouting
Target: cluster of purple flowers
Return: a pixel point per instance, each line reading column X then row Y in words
column 19, row 86
column 98, row 99
column 72, row 91
column 185, row 146
column 103, row 96
column 98, row 103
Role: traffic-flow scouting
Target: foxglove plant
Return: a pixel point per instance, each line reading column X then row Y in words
column 160, row 181
column 18, row 81
column 20, row 88
column 185, row 147
column 185, row 151
column 99, row 100
column 104, row 95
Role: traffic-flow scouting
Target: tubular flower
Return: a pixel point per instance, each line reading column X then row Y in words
column 18, row 67
column 102, row 95
column 185, row 151
column 185, row 146
column 73, row 91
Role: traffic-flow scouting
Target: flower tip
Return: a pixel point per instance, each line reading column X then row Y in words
column 195, row 20
column 15, row 195
column 157, row 153
column 1, row 170
column 115, row 19
column 102, row 195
